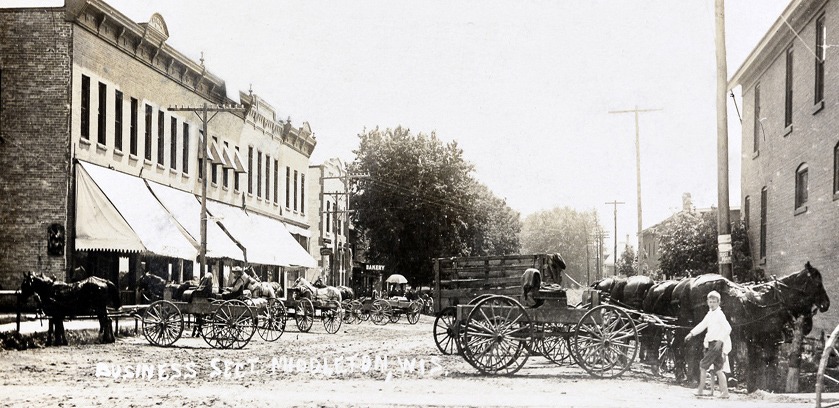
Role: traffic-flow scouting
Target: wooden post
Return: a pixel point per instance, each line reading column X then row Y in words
column 794, row 359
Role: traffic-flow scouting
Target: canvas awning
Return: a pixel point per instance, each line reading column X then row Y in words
column 266, row 240
column 117, row 212
column 186, row 209
column 297, row 230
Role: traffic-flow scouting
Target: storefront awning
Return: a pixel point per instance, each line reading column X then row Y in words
column 117, row 212
column 266, row 240
column 186, row 209
column 297, row 230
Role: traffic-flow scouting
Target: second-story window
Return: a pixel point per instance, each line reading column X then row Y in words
column 294, row 201
column 288, row 187
column 185, row 156
column 276, row 181
column 173, row 143
column 225, row 179
column 161, row 137
column 85, row 119
column 102, row 115
column 818, row 92
column 328, row 216
column 236, row 175
column 801, row 186
column 758, row 126
column 214, row 166
column 250, row 170
column 267, row 178
column 258, row 173
column 117, row 120
column 302, row 194
column 147, row 140
column 132, row 130
column 763, row 213
column 788, row 90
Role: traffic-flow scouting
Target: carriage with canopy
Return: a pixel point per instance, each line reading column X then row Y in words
column 385, row 310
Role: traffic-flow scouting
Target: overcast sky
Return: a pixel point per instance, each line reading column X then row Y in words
column 524, row 87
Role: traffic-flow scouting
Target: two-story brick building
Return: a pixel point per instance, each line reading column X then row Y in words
column 100, row 171
column 790, row 147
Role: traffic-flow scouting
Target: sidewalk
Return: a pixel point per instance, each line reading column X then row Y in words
column 29, row 324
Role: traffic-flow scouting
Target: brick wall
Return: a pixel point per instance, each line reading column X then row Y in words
column 793, row 239
column 35, row 55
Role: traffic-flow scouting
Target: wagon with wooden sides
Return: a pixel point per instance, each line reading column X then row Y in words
column 304, row 311
column 223, row 324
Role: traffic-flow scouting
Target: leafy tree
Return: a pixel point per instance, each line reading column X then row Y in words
column 420, row 202
column 626, row 263
column 566, row 231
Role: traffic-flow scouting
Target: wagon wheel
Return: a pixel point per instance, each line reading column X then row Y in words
column 163, row 323
column 444, row 331
column 271, row 320
column 395, row 315
column 231, row 325
column 605, row 341
column 381, row 312
column 358, row 313
column 429, row 307
column 666, row 357
column 348, row 316
column 332, row 316
column 829, row 355
column 304, row 315
column 556, row 346
column 495, row 335
column 414, row 311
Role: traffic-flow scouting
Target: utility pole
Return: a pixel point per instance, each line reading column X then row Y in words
column 333, row 267
column 723, row 222
column 202, row 112
column 615, row 256
column 636, row 111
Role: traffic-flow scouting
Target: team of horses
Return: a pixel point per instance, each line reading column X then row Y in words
column 761, row 315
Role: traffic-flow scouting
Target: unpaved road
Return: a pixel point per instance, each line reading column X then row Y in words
column 299, row 369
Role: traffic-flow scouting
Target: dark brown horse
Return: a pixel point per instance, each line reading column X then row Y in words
column 59, row 300
column 531, row 280
column 759, row 316
column 151, row 287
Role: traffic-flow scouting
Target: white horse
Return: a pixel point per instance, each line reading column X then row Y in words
column 308, row 290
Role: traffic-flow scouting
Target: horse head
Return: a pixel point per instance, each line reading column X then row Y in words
column 319, row 283
column 804, row 290
column 555, row 265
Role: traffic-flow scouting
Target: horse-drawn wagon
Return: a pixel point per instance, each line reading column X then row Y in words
column 306, row 302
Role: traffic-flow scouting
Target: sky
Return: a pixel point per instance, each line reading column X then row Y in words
column 524, row 87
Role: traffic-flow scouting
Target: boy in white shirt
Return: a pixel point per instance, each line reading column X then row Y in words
column 717, row 344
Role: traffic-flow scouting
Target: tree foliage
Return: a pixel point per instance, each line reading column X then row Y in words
column 688, row 245
column 419, row 202
column 566, row 231
column 627, row 262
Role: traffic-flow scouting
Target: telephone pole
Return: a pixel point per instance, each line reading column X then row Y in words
column 615, row 256
column 202, row 112
column 345, row 179
column 636, row 111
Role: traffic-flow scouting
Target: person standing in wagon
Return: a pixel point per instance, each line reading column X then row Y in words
column 717, row 344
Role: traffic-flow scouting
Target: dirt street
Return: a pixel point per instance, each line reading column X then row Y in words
column 362, row 365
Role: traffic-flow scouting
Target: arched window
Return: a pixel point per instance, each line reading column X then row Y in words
column 801, row 186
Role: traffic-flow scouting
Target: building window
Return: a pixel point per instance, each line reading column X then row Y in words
column 102, row 115
column 747, row 203
column 147, row 140
column 117, row 120
column 214, row 166
column 758, row 126
column 201, row 154
column 173, row 143
column 302, row 194
column 276, row 181
column 250, row 170
column 225, row 179
column 328, row 215
column 185, row 157
column 85, row 122
column 763, row 206
column 236, row 175
column 788, row 90
column 836, row 169
column 161, row 137
column 801, row 186
column 295, row 191
column 132, row 131
column 288, row 187
column 267, row 178
column 258, row 174
column 818, row 94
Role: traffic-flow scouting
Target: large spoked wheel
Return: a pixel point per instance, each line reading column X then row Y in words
column 358, row 315
column 304, row 315
column 445, row 336
column 414, row 311
column 163, row 323
column 555, row 345
column 605, row 342
column 348, row 316
column 231, row 325
column 271, row 320
column 362, row 310
column 828, row 361
column 381, row 312
column 496, row 334
column 332, row 316
column 666, row 358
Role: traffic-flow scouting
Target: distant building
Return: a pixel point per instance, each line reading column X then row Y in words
column 790, row 146
column 329, row 189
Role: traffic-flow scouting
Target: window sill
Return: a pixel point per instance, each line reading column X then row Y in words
column 818, row 107
column 755, row 154
column 836, row 196
column 147, row 162
column 787, row 130
column 762, row 261
column 800, row 210
column 101, row 148
column 173, row 171
column 160, row 167
column 225, row 188
column 118, row 153
column 185, row 175
column 84, row 142
column 133, row 159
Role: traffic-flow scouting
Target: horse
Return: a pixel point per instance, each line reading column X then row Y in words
column 531, row 279
column 60, row 300
column 151, row 287
column 308, row 290
column 346, row 292
column 258, row 288
column 758, row 315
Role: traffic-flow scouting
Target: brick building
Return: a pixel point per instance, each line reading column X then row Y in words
column 790, row 148
column 99, row 171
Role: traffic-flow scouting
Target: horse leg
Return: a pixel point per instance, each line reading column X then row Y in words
column 61, row 336
column 50, row 331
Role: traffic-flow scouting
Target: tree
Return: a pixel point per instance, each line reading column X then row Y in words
column 566, row 231
column 420, row 202
column 626, row 263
